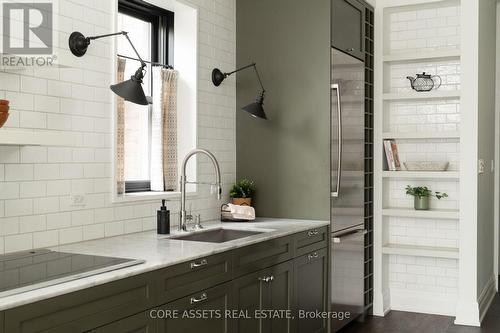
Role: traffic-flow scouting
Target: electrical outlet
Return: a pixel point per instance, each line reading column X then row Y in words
column 481, row 166
column 77, row 200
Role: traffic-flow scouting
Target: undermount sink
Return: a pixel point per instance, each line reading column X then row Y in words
column 218, row 235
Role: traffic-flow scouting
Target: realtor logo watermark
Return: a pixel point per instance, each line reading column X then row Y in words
column 27, row 33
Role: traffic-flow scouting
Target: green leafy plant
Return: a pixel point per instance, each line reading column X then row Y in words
column 423, row 191
column 243, row 188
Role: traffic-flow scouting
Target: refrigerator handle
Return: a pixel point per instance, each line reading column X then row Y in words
column 349, row 234
column 336, row 192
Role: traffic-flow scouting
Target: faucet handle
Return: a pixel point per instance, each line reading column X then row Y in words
column 197, row 222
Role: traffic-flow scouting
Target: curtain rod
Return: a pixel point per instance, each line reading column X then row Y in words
column 149, row 62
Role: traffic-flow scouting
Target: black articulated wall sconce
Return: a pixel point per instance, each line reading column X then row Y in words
column 256, row 108
column 130, row 90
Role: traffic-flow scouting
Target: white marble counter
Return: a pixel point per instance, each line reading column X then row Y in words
column 158, row 251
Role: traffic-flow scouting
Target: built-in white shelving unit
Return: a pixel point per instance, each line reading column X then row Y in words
column 420, row 251
column 422, row 174
column 437, row 94
column 421, row 135
column 36, row 137
column 423, row 56
column 413, row 37
column 441, row 214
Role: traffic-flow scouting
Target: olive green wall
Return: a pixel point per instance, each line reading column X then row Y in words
column 287, row 155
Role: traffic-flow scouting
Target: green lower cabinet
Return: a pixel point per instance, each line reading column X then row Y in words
column 311, row 290
column 262, row 298
column 203, row 311
column 139, row 323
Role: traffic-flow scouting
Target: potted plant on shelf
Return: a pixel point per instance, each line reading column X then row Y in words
column 242, row 192
column 421, row 196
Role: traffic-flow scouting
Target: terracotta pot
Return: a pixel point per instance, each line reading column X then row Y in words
column 4, row 108
column 3, row 118
column 4, row 102
column 242, row 201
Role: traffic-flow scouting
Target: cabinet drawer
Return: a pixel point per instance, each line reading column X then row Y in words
column 139, row 323
column 203, row 311
column 83, row 310
column 183, row 279
column 311, row 240
column 255, row 257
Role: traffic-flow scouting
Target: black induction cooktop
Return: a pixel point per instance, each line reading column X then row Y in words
column 30, row 270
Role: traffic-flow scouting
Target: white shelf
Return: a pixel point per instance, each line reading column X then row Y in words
column 437, row 94
column 421, row 135
column 34, row 137
column 424, row 56
column 421, row 251
column 445, row 214
column 422, row 174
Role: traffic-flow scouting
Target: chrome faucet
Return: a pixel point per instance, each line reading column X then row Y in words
column 183, row 216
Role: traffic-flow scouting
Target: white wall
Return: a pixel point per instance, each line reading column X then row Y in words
column 36, row 182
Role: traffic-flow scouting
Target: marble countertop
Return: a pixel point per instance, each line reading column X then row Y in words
column 157, row 251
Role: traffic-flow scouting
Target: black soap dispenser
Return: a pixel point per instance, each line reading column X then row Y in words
column 163, row 220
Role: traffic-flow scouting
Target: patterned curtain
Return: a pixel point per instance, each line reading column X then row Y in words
column 164, row 130
column 120, row 133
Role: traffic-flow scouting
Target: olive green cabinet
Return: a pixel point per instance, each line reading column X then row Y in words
column 203, row 311
column 348, row 26
column 258, row 281
column 259, row 296
column 311, row 290
column 139, row 323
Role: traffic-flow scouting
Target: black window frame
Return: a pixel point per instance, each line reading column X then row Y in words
column 162, row 51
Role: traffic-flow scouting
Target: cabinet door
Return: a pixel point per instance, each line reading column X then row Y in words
column 311, row 290
column 348, row 27
column 277, row 296
column 203, row 311
column 139, row 323
column 247, row 292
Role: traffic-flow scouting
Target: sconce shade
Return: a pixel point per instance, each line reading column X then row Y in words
column 131, row 90
column 217, row 77
column 256, row 109
column 78, row 44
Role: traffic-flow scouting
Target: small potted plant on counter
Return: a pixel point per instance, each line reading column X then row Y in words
column 242, row 192
column 421, row 196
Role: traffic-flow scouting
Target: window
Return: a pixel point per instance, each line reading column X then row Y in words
column 151, row 30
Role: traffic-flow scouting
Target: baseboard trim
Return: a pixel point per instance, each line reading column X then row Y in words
column 486, row 297
column 423, row 302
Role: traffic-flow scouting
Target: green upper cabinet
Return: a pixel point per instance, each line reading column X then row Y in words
column 348, row 27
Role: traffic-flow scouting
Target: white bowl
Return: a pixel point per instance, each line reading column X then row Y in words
column 426, row 166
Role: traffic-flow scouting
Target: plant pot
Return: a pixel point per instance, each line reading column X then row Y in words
column 4, row 108
column 3, row 118
column 421, row 203
column 4, row 102
column 242, row 201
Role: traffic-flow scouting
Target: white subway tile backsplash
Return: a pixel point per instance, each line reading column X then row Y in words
column 20, row 242
column 32, row 223
column 46, row 205
column 18, row 207
column 32, row 189
column 15, row 172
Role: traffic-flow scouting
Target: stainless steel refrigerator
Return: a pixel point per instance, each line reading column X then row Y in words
column 347, row 188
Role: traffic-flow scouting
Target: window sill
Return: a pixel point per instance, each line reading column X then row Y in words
column 150, row 195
